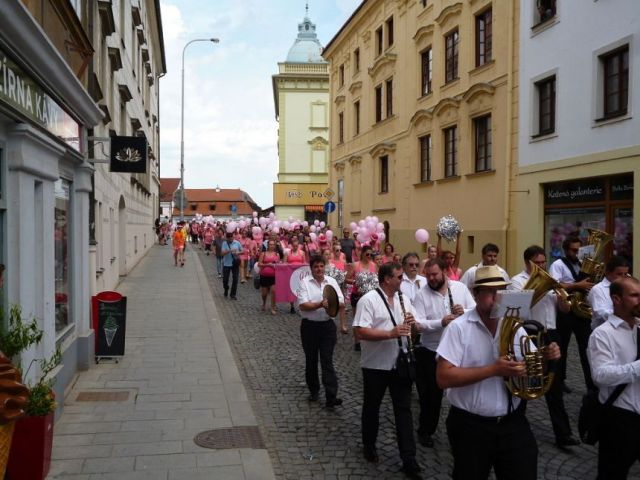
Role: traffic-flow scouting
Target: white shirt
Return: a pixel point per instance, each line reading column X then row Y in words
column 612, row 351
column 467, row 342
column 545, row 310
column 311, row 291
column 409, row 287
column 372, row 313
column 432, row 306
column 601, row 303
column 559, row 271
column 469, row 277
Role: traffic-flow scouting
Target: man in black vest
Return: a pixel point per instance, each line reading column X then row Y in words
column 566, row 271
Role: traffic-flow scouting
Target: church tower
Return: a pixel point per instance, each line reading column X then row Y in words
column 301, row 98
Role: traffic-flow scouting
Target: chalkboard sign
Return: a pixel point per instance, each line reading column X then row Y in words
column 110, row 310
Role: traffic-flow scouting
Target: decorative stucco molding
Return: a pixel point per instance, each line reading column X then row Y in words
column 478, row 89
column 444, row 104
column 381, row 149
column 355, row 86
column 420, row 115
column 381, row 61
column 449, row 11
column 423, row 32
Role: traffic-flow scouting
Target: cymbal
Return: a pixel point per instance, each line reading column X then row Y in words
column 329, row 293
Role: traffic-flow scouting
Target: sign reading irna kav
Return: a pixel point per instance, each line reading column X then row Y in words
column 24, row 95
column 129, row 154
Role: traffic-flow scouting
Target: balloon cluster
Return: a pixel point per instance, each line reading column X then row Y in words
column 369, row 230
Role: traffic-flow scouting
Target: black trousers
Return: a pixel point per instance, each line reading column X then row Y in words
column 225, row 279
column 375, row 384
column 429, row 394
column 479, row 444
column 555, row 400
column 319, row 339
column 619, row 447
column 568, row 323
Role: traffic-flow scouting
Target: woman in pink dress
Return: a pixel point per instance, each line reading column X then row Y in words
column 337, row 258
column 244, row 255
column 387, row 257
column 267, row 263
column 453, row 272
column 295, row 256
column 310, row 247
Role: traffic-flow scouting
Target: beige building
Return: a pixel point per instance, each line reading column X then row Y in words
column 424, row 103
column 301, row 97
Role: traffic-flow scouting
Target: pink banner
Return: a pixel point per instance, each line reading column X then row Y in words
column 284, row 273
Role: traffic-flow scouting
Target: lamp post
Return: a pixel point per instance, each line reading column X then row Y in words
column 213, row 40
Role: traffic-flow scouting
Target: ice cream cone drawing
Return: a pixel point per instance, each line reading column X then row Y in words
column 110, row 328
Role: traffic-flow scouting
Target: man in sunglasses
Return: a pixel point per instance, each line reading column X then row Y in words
column 347, row 245
column 411, row 281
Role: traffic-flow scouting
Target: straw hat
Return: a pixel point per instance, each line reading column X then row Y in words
column 489, row 276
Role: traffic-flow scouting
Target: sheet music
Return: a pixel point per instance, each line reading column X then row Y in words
column 513, row 299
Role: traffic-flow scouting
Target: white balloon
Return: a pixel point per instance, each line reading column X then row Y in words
column 361, row 223
column 316, row 222
column 312, row 236
column 375, row 219
column 381, row 236
column 305, row 224
column 322, row 224
column 312, row 228
column 380, row 227
column 329, row 235
column 255, row 214
column 271, row 215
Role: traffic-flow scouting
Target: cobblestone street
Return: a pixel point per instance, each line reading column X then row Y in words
column 307, row 441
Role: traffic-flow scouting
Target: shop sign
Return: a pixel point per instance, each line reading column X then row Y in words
column 128, row 154
column 578, row 191
column 24, row 95
column 299, row 193
column 622, row 187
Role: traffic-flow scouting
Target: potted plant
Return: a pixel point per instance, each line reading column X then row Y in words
column 30, row 454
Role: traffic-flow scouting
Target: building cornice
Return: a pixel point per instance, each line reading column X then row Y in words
column 478, row 89
column 382, row 148
column 423, row 32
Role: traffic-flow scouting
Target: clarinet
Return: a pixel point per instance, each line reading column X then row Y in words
column 404, row 316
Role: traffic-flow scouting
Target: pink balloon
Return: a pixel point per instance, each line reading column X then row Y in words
column 316, row 222
column 353, row 226
column 312, row 228
column 231, row 228
column 312, row 236
column 272, row 215
column 381, row 236
column 305, row 224
column 422, row 236
column 322, row 224
column 329, row 235
column 361, row 223
column 375, row 219
column 380, row 227
column 255, row 214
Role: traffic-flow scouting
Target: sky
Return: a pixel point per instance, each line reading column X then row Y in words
column 230, row 129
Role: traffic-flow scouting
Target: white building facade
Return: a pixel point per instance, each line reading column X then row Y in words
column 128, row 61
column 579, row 124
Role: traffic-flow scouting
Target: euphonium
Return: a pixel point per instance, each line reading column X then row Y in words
column 590, row 269
column 538, row 378
column 541, row 282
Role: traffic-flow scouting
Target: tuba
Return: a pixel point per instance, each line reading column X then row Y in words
column 591, row 269
column 541, row 282
column 538, row 378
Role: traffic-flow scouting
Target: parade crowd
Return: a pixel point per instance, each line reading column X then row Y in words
column 420, row 320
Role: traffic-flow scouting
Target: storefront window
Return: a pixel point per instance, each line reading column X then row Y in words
column 603, row 203
column 62, row 266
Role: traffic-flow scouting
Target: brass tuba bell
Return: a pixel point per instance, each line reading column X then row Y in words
column 538, row 378
column 592, row 270
column 541, row 282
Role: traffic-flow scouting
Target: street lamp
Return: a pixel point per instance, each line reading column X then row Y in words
column 214, row 40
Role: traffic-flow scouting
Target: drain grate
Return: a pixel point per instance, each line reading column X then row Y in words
column 102, row 396
column 235, row 437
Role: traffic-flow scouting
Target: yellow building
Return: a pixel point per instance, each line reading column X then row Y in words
column 301, row 97
column 424, row 108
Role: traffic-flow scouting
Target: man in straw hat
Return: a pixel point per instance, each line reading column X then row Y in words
column 486, row 425
column 318, row 331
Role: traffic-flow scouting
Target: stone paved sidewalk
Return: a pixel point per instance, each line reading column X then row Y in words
column 179, row 378
column 306, row 441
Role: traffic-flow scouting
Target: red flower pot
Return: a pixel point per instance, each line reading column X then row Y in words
column 30, row 455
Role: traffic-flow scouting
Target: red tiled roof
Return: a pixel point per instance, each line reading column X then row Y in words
column 167, row 187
